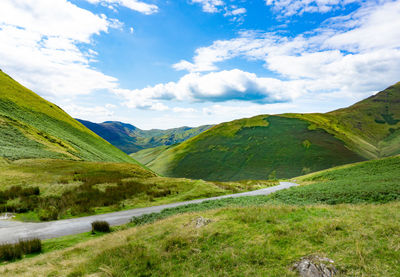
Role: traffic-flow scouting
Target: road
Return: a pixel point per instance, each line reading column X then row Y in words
column 12, row 231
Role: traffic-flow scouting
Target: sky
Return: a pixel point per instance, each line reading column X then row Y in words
column 171, row 63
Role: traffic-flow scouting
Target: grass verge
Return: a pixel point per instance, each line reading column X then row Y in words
column 363, row 240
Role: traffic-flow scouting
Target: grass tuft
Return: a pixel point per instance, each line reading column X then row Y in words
column 100, row 226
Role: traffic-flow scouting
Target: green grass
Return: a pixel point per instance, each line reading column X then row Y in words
column 376, row 181
column 68, row 189
column 31, row 127
column 281, row 147
column 363, row 240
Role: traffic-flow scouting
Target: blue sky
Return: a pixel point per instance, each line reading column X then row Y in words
column 163, row 64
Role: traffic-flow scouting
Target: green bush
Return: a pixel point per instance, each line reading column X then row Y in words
column 100, row 226
column 13, row 251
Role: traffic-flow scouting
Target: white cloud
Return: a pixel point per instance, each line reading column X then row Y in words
column 212, row 87
column 356, row 54
column 183, row 110
column 134, row 5
column 38, row 46
column 210, row 6
column 238, row 11
column 95, row 113
column 298, row 7
column 218, row 6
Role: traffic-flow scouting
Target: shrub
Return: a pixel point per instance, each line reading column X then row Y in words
column 31, row 246
column 100, row 226
column 10, row 252
column 13, row 251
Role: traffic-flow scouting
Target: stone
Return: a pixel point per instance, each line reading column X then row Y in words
column 201, row 221
column 315, row 266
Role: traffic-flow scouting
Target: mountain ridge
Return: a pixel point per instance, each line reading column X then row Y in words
column 131, row 139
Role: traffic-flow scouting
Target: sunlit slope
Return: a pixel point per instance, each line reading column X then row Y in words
column 287, row 145
column 262, row 147
column 31, row 127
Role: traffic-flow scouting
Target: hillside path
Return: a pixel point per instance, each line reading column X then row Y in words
column 12, row 231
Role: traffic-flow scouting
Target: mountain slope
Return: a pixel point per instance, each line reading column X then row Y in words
column 286, row 145
column 31, row 127
column 131, row 139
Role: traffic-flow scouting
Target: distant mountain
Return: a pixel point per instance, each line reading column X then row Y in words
column 131, row 139
column 287, row 145
column 31, row 127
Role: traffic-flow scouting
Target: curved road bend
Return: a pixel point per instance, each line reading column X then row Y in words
column 12, row 231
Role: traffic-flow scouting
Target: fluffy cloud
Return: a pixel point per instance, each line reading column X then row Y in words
column 217, row 6
column 212, row 87
column 38, row 46
column 341, row 57
column 134, row 5
column 210, row 6
column 292, row 7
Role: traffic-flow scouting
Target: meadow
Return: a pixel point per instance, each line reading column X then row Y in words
column 47, row 189
column 266, row 240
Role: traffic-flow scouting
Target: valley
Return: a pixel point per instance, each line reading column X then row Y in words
column 57, row 177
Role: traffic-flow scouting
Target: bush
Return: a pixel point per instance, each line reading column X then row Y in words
column 13, row 251
column 100, row 226
column 31, row 246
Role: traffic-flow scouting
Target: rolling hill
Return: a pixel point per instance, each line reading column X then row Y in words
column 286, row 145
column 31, row 127
column 131, row 139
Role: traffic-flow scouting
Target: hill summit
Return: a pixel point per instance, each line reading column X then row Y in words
column 286, row 145
column 31, row 127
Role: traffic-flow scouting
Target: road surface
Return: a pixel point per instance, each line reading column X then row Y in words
column 12, row 231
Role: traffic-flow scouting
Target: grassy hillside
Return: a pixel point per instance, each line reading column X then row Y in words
column 252, row 236
column 286, row 145
column 47, row 189
column 131, row 139
column 251, row 241
column 31, row 127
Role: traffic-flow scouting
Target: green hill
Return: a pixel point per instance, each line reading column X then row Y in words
column 131, row 139
column 287, row 145
column 31, row 127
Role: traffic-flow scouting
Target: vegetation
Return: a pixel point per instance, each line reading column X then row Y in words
column 13, row 251
column 251, row 241
column 286, row 145
column 376, row 181
column 43, row 189
column 280, row 148
column 100, row 226
column 31, row 127
column 131, row 139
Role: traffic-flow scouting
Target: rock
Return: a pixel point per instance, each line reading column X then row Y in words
column 6, row 216
column 315, row 266
column 201, row 221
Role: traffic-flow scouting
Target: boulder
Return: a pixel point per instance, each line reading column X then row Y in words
column 315, row 266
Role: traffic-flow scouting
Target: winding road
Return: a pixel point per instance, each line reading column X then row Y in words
column 12, row 231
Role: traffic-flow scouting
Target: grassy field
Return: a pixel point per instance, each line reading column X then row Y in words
column 363, row 240
column 31, row 127
column 49, row 189
column 286, row 145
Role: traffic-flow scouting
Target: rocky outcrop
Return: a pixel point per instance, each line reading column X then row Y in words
column 315, row 266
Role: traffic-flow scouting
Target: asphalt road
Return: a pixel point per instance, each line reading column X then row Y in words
column 12, row 231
